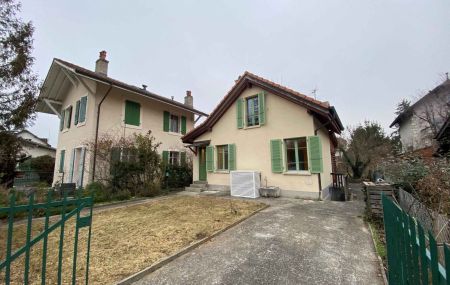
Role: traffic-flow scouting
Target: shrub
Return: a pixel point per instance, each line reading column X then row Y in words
column 122, row 195
column 44, row 166
column 178, row 176
column 99, row 192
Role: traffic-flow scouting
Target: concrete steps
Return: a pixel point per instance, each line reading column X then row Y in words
column 197, row 186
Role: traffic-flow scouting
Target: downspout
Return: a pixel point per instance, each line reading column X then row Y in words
column 96, row 131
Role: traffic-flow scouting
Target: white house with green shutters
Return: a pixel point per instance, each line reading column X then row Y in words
column 261, row 126
column 90, row 104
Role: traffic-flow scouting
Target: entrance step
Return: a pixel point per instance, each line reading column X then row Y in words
column 197, row 186
column 193, row 189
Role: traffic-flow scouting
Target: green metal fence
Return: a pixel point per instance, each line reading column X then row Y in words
column 66, row 208
column 413, row 255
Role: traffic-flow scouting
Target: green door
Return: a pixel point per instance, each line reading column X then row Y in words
column 202, row 164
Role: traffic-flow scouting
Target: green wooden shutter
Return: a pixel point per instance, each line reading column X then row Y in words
column 210, row 158
column 315, row 154
column 83, row 106
column 231, row 157
column 61, row 123
column 77, row 111
column 165, row 157
column 61, row 160
column 240, row 113
column 183, row 125
column 276, row 156
column 166, row 121
column 132, row 113
column 262, row 107
column 69, row 116
column 183, row 158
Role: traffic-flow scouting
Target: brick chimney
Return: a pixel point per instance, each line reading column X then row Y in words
column 101, row 65
column 188, row 99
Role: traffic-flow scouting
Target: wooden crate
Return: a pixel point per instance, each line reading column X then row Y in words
column 373, row 192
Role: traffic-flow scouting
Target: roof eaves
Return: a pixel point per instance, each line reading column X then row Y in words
column 108, row 80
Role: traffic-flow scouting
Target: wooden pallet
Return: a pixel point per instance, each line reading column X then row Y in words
column 373, row 192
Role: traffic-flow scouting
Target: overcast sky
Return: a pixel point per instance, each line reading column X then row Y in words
column 362, row 56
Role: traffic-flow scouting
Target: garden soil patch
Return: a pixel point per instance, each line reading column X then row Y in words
column 129, row 239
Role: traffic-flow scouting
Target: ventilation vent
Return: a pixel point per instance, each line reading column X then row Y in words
column 245, row 183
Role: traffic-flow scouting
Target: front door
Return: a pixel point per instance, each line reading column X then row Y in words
column 202, row 163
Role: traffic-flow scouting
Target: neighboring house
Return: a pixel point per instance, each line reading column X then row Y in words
column 34, row 146
column 262, row 126
column 419, row 125
column 91, row 104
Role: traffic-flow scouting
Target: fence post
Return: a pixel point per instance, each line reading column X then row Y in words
column 434, row 259
column 423, row 255
column 415, row 252
column 447, row 263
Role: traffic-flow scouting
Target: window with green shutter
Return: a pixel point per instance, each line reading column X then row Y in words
column 82, row 112
column 210, row 158
column 166, row 121
column 240, row 113
column 132, row 113
column 315, row 154
column 77, row 111
column 61, row 160
column 252, row 114
column 276, row 156
column 231, row 157
column 183, row 125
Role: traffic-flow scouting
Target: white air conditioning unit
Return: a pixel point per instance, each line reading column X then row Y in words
column 245, row 183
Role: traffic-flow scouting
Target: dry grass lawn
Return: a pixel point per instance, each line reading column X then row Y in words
column 126, row 240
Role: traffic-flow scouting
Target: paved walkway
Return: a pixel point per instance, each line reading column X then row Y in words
column 291, row 242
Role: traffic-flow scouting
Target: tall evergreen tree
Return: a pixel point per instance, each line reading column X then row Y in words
column 18, row 83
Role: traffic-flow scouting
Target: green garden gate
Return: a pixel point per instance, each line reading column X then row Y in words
column 413, row 255
column 58, row 216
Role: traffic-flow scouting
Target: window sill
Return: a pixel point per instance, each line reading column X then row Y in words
column 222, row 171
column 252, row 127
column 132, row 127
column 175, row 134
column 297, row 173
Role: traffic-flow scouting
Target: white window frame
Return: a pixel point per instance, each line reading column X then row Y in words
column 225, row 156
column 178, row 159
column 178, row 121
column 285, row 162
column 247, row 113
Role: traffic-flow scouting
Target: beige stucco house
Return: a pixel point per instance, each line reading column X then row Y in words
column 91, row 104
column 289, row 138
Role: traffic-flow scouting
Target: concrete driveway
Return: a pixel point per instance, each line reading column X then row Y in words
column 291, row 242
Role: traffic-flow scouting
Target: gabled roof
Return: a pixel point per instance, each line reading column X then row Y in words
column 444, row 86
column 43, row 141
column 106, row 80
column 322, row 110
